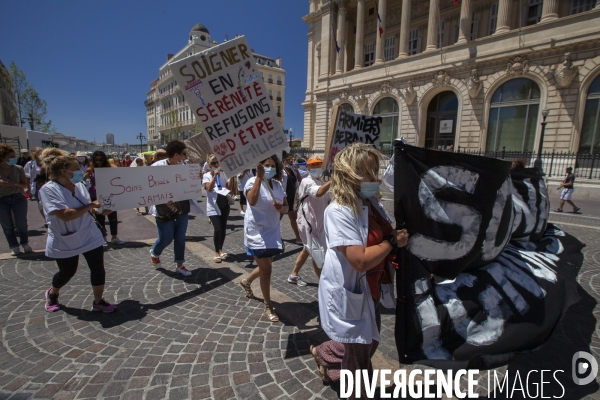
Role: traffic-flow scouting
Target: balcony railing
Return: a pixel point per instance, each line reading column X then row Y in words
column 279, row 83
column 278, row 98
column 270, row 80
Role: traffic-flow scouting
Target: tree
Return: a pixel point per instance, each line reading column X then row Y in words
column 18, row 83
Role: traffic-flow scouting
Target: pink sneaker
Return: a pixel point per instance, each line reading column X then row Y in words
column 52, row 304
column 103, row 306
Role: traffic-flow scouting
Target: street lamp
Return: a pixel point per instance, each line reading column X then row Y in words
column 141, row 138
column 291, row 137
column 538, row 161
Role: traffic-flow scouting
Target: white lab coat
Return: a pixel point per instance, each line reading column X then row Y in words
column 211, row 197
column 310, row 218
column 261, row 221
column 345, row 303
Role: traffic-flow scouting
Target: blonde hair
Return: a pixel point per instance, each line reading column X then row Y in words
column 351, row 167
column 50, row 154
column 35, row 151
column 210, row 158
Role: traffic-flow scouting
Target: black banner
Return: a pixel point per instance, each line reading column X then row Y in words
column 530, row 203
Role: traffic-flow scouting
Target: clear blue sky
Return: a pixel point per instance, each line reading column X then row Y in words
column 93, row 61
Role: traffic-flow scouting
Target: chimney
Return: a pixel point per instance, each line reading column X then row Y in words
column 278, row 61
column 169, row 56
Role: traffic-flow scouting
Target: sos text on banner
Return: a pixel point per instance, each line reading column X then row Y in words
column 224, row 88
column 124, row 188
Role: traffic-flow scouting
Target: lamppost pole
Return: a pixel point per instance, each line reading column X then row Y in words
column 141, row 137
column 538, row 161
column 291, row 137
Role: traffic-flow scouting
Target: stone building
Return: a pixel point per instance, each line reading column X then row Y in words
column 479, row 75
column 168, row 116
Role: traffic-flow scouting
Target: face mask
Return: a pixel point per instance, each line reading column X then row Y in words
column 270, row 172
column 12, row 161
column 77, row 176
column 81, row 159
column 316, row 172
column 180, row 162
column 215, row 168
column 368, row 189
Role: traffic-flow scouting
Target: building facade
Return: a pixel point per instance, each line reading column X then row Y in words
column 168, row 116
column 9, row 114
column 479, row 75
column 110, row 138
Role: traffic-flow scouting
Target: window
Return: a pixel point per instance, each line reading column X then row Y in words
column 271, row 94
column 369, row 54
column 387, row 108
column 578, row 6
column 414, row 44
column 513, row 116
column 590, row 130
column 493, row 19
column 279, row 111
column 454, row 33
column 279, row 82
column 531, row 13
column 441, row 31
column 270, row 78
column 347, row 107
column 474, row 26
column 372, row 11
column 388, row 51
column 279, row 95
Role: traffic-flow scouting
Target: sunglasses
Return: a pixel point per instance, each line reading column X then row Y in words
column 214, row 163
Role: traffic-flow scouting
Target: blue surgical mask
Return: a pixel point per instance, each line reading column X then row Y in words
column 77, row 176
column 215, row 168
column 270, row 172
column 316, row 172
column 12, row 161
column 368, row 189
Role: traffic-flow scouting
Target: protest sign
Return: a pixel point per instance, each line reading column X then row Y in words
column 126, row 188
column 224, row 88
column 347, row 128
column 198, row 148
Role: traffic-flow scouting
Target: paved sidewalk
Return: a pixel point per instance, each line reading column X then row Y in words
column 195, row 337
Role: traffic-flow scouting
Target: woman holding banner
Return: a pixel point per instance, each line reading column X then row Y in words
column 99, row 160
column 360, row 239
column 217, row 203
column 262, row 234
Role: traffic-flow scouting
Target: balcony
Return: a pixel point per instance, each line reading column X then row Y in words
column 278, row 98
column 279, row 83
column 270, row 80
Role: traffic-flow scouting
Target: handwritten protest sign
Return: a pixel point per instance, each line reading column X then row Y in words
column 348, row 128
column 224, row 88
column 198, row 148
column 126, row 188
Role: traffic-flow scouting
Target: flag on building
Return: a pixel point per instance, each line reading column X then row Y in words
column 379, row 22
column 337, row 48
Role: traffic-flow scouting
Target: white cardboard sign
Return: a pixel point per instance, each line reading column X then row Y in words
column 224, row 88
column 125, row 188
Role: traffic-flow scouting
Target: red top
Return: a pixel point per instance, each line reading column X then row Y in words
column 127, row 163
column 378, row 229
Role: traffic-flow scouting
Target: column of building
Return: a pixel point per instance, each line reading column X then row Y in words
column 360, row 32
column 326, row 41
column 464, row 25
column 503, row 22
column 549, row 10
column 404, row 29
column 380, row 38
column 433, row 25
column 341, row 35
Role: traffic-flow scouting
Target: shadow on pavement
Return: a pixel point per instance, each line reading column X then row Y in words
column 131, row 310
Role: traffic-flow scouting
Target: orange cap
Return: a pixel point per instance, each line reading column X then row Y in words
column 314, row 160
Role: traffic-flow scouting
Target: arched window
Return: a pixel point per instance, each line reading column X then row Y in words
column 590, row 130
column 513, row 116
column 387, row 108
column 347, row 107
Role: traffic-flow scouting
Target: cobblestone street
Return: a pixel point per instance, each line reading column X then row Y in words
column 196, row 337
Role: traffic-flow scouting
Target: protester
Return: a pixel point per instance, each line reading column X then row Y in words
column 314, row 196
column 127, row 160
column 72, row 231
column 242, row 180
column 32, row 169
column 99, row 160
column 217, row 204
column 24, row 158
column 160, row 154
column 291, row 182
column 12, row 201
column 84, row 161
column 116, row 161
column 302, row 169
column 47, row 155
column 359, row 240
column 568, row 187
column 172, row 217
column 262, row 234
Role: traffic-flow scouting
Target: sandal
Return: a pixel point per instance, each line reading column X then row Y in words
column 247, row 288
column 321, row 370
column 223, row 256
column 217, row 259
column 271, row 314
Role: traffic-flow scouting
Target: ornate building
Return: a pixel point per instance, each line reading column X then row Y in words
column 168, row 115
column 478, row 75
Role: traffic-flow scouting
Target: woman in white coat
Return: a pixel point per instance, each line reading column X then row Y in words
column 360, row 239
column 262, row 233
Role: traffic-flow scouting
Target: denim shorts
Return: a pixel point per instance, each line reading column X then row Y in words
column 263, row 253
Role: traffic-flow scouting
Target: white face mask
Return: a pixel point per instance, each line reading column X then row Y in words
column 316, row 172
column 81, row 159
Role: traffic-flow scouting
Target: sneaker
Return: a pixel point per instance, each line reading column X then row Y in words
column 51, row 302
column 116, row 240
column 155, row 260
column 27, row 248
column 558, row 210
column 183, row 271
column 103, row 306
column 576, row 209
column 15, row 251
column 46, row 226
column 296, row 280
column 242, row 213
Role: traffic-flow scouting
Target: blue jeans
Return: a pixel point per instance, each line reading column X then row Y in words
column 14, row 204
column 169, row 231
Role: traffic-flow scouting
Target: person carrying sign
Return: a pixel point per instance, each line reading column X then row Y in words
column 314, row 197
column 262, row 233
column 172, row 217
column 217, row 203
column 360, row 239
